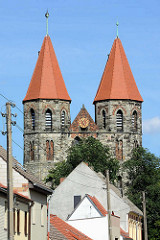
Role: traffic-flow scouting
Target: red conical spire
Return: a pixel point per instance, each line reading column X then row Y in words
column 47, row 81
column 117, row 80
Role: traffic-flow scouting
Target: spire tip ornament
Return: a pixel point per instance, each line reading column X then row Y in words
column 47, row 16
column 117, row 24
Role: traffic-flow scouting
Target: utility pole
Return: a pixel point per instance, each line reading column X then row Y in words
column 108, row 206
column 145, row 217
column 9, row 172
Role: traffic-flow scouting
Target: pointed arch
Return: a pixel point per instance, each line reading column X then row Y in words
column 119, row 149
column 63, row 116
column 49, row 150
column 134, row 121
column 32, row 112
column 104, row 118
column 48, row 118
column 32, row 150
column 119, row 120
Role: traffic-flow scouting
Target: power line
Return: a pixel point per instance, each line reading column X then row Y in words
column 17, row 144
column 11, row 102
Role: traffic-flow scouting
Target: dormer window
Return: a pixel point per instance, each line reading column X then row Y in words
column 119, row 121
column 48, row 119
column 104, row 118
column 33, row 119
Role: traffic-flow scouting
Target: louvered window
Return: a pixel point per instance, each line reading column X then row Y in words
column 104, row 118
column 63, row 118
column 134, row 121
column 119, row 121
column 48, row 120
column 33, row 119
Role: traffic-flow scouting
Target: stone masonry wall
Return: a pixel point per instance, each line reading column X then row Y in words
column 38, row 136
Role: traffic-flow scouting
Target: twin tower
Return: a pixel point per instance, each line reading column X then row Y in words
column 48, row 131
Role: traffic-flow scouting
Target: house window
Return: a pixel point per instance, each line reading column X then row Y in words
column 119, row 121
column 77, row 199
column 134, row 121
column 5, row 215
column 48, row 119
column 42, row 215
column 104, row 118
column 63, row 118
column 49, row 150
column 119, row 150
column 32, row 150
column 25, row 223
column 14, row 220
column 18, row 221
column 33, row 119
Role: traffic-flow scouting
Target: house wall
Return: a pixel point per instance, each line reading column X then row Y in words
column 19, row 182
column 85, row 181
column 23, row 207
column 85, row 210
column 3, row 231
column 38, row 216
column 95, row 228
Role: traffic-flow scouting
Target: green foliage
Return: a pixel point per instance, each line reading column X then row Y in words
column 89, row 150
column 143, row 171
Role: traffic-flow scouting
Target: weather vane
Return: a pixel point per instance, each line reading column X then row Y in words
column 47, row 16
column 117, row 24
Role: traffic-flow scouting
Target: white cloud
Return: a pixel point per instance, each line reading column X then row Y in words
column 151, row 126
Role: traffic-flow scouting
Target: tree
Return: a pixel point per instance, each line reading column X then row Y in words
column 143, row 173
column 89, row 150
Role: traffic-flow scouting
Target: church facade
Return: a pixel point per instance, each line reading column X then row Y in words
column 48, row 131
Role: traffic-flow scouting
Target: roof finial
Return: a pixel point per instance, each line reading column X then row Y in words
column 47, row 16
column 117, row 24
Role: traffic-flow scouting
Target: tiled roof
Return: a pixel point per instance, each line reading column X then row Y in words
column 124, row 234
column 83, row 114
column 65, row 229
column 19, row 168
column 16, row 192
column 98, row 205
column 47, row 81
column 117, row 80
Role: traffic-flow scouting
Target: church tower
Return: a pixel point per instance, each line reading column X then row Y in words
column 46, row 113
column 118, row 112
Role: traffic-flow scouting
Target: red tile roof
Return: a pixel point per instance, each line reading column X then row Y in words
column 16, row 192
column 68, row 231
column 47, row 81
column 98, row 205
column 117, row 80
column 124, row 234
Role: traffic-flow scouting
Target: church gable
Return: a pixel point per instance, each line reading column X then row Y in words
column 83, row 125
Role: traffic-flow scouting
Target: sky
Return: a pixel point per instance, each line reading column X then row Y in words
column 82, row 33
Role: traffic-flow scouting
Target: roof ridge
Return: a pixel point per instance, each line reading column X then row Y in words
column 123, row 66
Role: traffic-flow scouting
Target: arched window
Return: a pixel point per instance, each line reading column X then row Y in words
column 134, row 121
column 104, row 118
column 63, row 118
column 136, row 145
column 32, row 150
column 119, row 121
column 33, row 119
column 76, row 140
column 119, row 150
column 48, row 120
column 49, row 150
